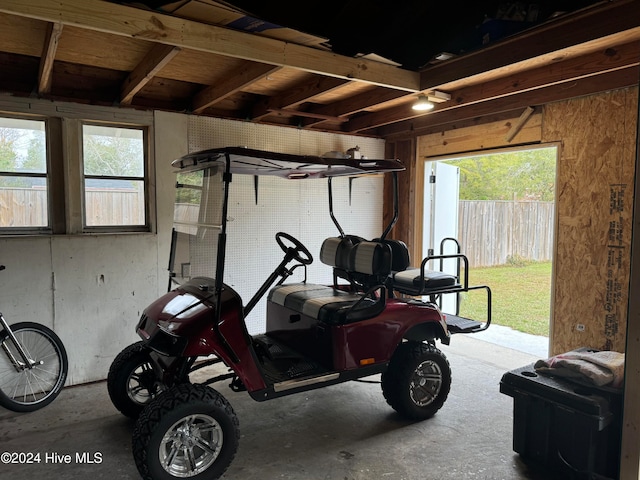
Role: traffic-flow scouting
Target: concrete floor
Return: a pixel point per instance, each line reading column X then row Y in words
column 343, row 432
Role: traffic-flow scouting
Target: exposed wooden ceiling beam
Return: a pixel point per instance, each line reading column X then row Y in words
column 356, row 103
column 304, row 113
column 304, row 92
column 615, row 79
column 233, row 83
column 54, row 30
column 597, row 63
column 590, row 24
column 157, row 58
column 156, row 27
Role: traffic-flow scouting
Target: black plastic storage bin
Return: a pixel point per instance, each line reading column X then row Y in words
column 570, row 428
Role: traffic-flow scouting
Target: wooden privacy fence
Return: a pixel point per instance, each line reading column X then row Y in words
column 27, row 207
column 23, row 207
column 491, row 232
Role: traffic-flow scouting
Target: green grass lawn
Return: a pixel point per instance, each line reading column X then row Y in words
column 521, row 296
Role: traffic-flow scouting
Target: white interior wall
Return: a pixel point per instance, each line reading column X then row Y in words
column 91, row 289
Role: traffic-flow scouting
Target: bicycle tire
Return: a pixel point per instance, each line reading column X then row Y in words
column 26, row 390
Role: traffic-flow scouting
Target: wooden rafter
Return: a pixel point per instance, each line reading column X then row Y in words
column 293, row 97
column 156, row 27
column 590, row 24
column 612, row 80
column 354, row 104
column 594, row 64
column 54, row 30
column 308, row 114
column 234, row 82
column 157, row 58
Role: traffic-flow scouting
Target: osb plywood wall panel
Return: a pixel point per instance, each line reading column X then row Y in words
column 594, row 213
column 479, row 137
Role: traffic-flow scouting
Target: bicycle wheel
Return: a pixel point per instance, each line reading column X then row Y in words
column 24, row 389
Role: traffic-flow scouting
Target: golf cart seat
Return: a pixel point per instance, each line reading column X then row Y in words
column 364, row 264
column 416, row 280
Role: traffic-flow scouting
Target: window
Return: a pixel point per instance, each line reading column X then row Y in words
column 114, row 166
column 23, row 175
column 73, row 169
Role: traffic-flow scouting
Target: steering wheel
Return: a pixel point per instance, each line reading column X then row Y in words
column 300, row 252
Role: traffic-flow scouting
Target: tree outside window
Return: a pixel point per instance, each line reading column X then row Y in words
column 114, row 176
column 23, row 174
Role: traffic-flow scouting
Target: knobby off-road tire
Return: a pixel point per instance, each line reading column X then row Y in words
column 417, row 381
column 131, row 381
column 187, row 431
column 25, row 389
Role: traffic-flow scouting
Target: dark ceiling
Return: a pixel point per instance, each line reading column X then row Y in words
column 409, row 32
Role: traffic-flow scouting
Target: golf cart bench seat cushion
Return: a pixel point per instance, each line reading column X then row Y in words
column 366, row 262
column 326, row 304
column 410, row 280
column 355, row 255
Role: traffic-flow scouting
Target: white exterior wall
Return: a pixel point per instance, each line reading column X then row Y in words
column 92, row 288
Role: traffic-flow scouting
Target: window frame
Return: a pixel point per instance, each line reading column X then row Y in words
column 64, row 162
column 33, row 229
column 124, row 228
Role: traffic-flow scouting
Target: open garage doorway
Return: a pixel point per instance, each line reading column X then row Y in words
column 500, row 208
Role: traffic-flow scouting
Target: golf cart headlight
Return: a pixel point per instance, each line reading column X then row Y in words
column 167, row 325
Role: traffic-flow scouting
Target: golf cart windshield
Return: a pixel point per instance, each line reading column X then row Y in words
column 202, row 189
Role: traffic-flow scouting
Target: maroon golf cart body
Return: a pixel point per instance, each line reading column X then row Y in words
column 379, row 315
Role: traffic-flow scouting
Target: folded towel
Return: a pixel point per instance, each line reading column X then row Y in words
column 600, row 368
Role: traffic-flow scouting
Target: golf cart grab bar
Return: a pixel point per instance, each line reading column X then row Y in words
column 380, row 302
column 465, row 284
column 394, row 219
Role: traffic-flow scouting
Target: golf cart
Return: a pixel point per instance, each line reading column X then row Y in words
column 378, row 315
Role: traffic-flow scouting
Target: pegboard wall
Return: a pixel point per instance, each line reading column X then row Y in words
column 297, row 207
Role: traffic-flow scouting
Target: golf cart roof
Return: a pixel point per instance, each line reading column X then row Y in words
column 259, row 162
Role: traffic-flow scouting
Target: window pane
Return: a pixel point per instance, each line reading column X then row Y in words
column 114, row 202
column 23, row 195
column 111, row 151
column 114, row 152
column 23, row 202
column 22, row 146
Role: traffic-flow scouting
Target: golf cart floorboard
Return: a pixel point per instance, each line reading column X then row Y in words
column 280, row 363
column 458, row 324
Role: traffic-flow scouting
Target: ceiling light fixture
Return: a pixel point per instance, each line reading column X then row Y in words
column 422, row 104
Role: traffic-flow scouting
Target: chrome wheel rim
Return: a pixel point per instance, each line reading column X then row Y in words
column 426, row 383
column 142, row 385
column 191, row 445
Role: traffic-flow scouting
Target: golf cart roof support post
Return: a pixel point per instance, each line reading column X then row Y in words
column 222, row 246
column 335, row 221
column 394, row 179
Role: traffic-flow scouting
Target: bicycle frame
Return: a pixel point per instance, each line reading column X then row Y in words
column 27, row 362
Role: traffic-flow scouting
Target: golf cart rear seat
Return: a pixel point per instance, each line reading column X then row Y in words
column 418, row 280
column 364, row 264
